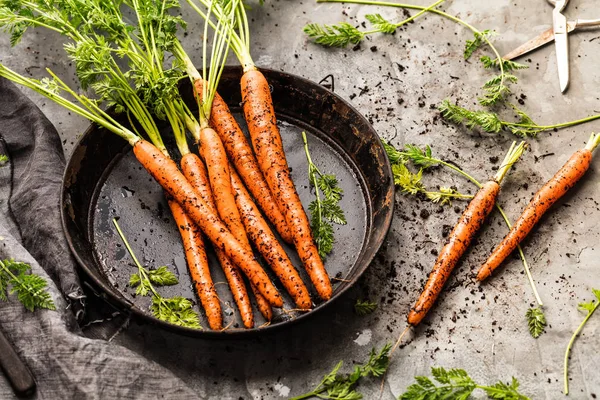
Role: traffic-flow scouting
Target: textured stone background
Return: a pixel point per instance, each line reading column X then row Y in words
column 396, row 81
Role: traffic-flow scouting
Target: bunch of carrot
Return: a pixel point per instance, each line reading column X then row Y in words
column 207, row 195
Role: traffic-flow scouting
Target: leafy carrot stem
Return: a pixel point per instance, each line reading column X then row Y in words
column 590, row 308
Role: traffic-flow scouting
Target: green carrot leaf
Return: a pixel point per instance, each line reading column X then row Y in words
column 408, row 181
column 478, row 40
column 364, row 307
column 31, row 291
column 536, row 320
column 507, row 65
column 176, row 310
column 444, row 196
column 339, row 35
column 381, row 23
column 378, row 362
column 420, row 157
column 162, row 277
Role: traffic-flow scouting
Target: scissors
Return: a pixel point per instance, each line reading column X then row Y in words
column 560, row 28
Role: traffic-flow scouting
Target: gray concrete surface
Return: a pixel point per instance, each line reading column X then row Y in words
column 477, row 327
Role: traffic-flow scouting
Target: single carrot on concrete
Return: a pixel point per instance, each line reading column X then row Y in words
column 459, row 239
column 566, row 177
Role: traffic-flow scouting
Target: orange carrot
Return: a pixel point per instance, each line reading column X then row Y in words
column 166, row 173
column 213, row 153
column 469, row 223
column 261, row 235
column 198, row 265
column 467, row 227
column 266, row 140
column 554, row 189
column 195, row 171
column 263, row 305
column 238, row 289
column 241, row 155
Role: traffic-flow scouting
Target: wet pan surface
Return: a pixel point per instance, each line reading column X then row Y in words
column 103, row 180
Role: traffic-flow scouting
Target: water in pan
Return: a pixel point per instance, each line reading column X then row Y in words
column 131, row 195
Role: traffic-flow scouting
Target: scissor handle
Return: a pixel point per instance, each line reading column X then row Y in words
column 582, row 23
column 553, row 3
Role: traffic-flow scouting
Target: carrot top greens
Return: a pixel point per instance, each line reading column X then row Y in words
column 343, row 34
column 343, row 387
column 589, row 308
column 233, row 23
column 16, row 277
column 495, row 89
column 326, row 211
column 457, row 384
column 176, row 310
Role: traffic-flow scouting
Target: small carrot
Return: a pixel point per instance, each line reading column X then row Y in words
column 241, row 155
column 266, row 140
column 166, row 173
column 268, row 246
column 195, row 171
column 566, row 177
column 459, row 239
column 198, row 265
column 238, row 289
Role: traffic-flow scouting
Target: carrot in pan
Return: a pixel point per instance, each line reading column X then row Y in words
column 260, row 117
column 238, row 289
column 241, row 155
column 554, row 189
column 212, row 150
column 166, row 173
column 469, row 223
column 268, row 246
column 220, row 182
column 196, row 173
column 198, row 265
column 266, row 140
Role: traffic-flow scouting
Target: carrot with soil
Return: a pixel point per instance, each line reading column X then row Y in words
column 240, row 154
column 198, row 265
column 267, row 244
column 213, row 152
column 570, row 173
column 266, row 141
column 468, row 225
column 195, row 172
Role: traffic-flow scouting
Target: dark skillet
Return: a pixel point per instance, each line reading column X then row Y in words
column 103, row 180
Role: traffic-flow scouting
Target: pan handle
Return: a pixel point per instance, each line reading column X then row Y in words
column 18, row 374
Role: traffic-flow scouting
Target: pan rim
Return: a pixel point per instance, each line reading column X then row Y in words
column 124, row 305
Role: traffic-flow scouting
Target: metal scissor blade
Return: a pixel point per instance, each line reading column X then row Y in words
column 537, row 42
column 562, row 59
column 561, row 40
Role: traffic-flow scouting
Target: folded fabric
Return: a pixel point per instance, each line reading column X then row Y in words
column 64, row 363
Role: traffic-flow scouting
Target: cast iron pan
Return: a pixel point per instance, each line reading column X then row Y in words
column 103, row 180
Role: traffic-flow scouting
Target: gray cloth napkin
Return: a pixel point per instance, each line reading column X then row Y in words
column 65, row 364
